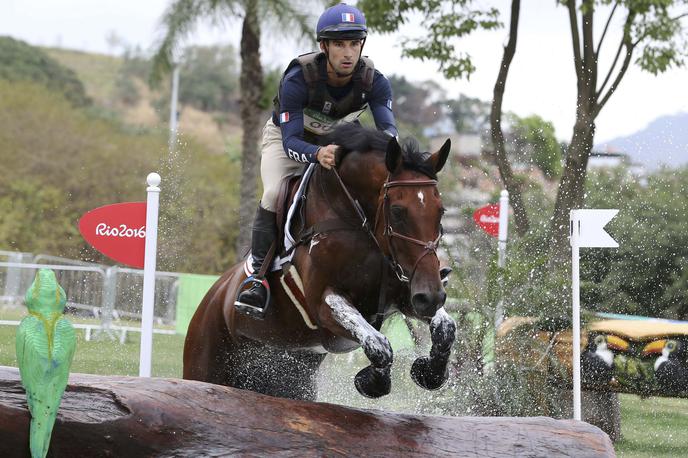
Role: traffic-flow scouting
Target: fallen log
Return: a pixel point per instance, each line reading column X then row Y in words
column 132, row 417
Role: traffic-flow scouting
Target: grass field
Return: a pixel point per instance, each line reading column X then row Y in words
column 651, row 428
column 103, row 355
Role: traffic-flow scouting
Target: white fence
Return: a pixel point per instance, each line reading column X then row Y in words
column 104, row 292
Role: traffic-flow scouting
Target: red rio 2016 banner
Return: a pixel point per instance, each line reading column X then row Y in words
column 487, row 218
column 118, row 231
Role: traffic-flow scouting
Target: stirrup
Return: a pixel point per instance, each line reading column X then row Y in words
column 252, row 310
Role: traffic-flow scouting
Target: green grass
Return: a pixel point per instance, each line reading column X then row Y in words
column 653, row 427
column 106, row 356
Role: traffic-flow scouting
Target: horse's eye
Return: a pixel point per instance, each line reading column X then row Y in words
column 398, row 212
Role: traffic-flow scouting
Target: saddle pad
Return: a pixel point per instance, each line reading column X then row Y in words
column 292, row 285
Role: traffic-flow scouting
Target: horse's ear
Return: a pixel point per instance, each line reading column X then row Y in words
column 439, row 158
column 393, row 156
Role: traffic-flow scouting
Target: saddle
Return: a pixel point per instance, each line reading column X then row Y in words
column 286, row 198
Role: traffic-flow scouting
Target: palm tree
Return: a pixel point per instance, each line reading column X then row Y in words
column 180, row 18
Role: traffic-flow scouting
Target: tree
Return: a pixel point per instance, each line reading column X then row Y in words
column 180, row 18
column 413, row 103
column 208, row 77
column 470, row 115
column 536, row 143
column 651, row 29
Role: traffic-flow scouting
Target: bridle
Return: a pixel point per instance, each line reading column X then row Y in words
column 390, row 234
column 381, row 216
column 383, row 208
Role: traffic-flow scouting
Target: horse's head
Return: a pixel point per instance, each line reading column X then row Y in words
column 411, row 212
column 397, row 188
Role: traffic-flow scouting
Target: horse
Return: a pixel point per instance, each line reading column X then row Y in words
column 370, row 229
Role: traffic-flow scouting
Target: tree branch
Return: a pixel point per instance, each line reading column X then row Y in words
column 606, row 26
column 520, row 215
column 575, row 38
column 625, row 41
column 589, row 62
column 622, row 71
column 611, row 69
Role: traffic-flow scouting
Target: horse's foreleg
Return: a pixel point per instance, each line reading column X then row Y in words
column 373, row 381
column 431, row 372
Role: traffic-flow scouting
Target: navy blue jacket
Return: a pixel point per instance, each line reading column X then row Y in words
column 293, row 96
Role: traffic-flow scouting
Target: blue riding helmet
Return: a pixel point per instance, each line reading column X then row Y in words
column 341, row 22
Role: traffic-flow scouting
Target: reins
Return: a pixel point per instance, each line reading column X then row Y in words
column 389, row 233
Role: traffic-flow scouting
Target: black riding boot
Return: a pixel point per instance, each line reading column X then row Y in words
column 253, row 301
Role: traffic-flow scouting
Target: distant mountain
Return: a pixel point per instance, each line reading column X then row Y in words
column 663, row 141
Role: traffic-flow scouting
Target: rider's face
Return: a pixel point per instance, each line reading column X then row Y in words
column 344, row 55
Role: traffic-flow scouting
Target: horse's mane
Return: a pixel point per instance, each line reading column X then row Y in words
column 353, row 137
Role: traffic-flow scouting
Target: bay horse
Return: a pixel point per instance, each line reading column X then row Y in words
column 374, row 224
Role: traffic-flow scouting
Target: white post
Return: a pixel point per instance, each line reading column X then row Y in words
column 173, row 108
column 575, row 291
column 587, row 231
column 146, row 351
column 501, row 252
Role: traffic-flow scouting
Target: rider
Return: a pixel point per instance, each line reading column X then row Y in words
column 317, row 90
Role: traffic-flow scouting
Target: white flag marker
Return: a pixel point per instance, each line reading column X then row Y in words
column 587, row 226
column 587, row 231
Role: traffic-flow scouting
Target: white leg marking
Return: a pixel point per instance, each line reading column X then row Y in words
column 440, row 316
column 352, row 321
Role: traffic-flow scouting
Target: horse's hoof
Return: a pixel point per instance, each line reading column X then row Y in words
column 373, row 383
column 425, row 377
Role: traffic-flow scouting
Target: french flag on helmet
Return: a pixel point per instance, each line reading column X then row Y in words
column 284, row 117
column 341, row 22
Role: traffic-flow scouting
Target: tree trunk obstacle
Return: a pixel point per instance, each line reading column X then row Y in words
column 131, row 417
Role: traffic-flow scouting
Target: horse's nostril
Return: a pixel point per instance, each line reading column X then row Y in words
column 427, row 304
column 421, row 300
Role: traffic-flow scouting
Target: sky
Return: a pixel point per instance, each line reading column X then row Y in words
column 541, row 79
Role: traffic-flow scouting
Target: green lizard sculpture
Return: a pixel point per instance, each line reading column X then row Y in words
column 45, row 348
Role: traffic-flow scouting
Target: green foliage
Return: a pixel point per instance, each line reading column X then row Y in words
column 271, row 80
column 181, row 18
column 470, row 115
column 532, row 286
column 22, row 62
column 647, row 274
column 443, row 20
column 535, row 141
column 416, row 105
column 79, row 162
column 134, row 67
column 209, row 78
column 659, row 33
